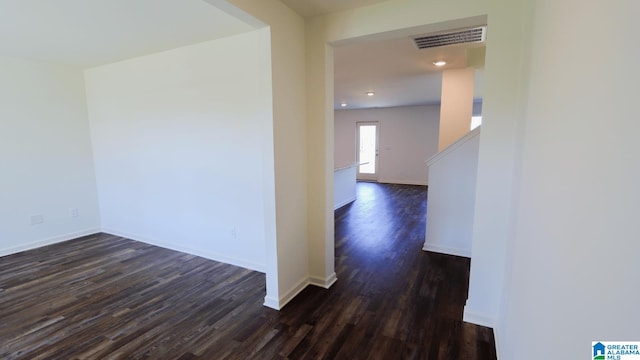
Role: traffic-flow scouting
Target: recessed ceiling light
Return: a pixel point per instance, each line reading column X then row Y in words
column 343, row 104
column 370, row 93
column 440, row 63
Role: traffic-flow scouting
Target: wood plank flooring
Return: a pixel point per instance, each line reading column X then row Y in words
column 106, row 297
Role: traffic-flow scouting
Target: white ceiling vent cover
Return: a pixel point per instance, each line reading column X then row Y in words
column 467, row 36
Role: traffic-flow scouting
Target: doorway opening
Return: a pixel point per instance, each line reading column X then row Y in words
column 367, row 151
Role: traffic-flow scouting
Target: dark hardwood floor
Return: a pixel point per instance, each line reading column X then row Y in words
column 106, row 297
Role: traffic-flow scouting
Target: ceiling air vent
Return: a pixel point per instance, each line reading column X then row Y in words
column 467, row 36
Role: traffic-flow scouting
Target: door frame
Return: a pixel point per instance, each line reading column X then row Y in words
column 359, row 175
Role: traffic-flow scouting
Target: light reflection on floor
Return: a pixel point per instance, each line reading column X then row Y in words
column 371, row 216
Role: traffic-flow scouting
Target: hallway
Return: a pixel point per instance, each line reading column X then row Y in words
column 391, row 297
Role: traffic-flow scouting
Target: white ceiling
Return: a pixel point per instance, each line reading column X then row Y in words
column 94, row 32
column 309, row 8
column 398, row 73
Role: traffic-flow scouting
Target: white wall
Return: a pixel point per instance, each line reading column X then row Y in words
column 573, row 274
column 344, row 137
column 287, row 246
column 180, row 151
column 457, row 105
column 452, row 196
column 502, row 107
column 408, row 137
column 344, row 184
column 45, row 155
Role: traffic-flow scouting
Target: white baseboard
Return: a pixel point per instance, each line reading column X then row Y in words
column 205, row 254
column 343, row 203
column 48, row 241
column 497, row 335
column 323, row 283
column 278, row 304
column 402, row 182
column 447, row 250
column 271, row 302
column 477, row 317
column 293, row 292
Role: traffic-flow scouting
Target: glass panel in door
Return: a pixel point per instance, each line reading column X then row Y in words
column 367, row 151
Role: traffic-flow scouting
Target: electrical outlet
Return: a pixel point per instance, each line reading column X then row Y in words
column 73, row 212
column 37, row 219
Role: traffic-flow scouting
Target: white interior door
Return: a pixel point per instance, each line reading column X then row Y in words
column 367, row 150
